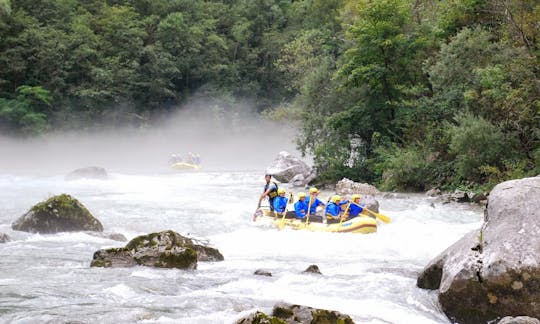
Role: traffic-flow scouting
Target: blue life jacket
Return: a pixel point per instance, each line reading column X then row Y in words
column 300, row 207
column 280, row 203
column 314, row 205
column 355, row 210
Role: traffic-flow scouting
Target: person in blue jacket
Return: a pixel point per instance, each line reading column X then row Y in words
column 355, row 208
column 300, row 207
column 333, row 209
column 312, row 201
column 280, row 202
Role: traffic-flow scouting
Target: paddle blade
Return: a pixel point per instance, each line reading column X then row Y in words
column 257, row 213
column 383, row 218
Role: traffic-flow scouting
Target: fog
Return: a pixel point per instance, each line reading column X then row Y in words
column 236, row 139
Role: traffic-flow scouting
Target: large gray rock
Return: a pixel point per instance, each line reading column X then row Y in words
column 349, row 187
column 297, row 314
column 92, row 172
column 61, row 213
column 166, row 249
column 495, row 271
column 285, row 167
column 300, row 180
column 463, row 251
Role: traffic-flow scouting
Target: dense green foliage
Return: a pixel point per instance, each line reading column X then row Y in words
column 407, row 94
column 427, row 93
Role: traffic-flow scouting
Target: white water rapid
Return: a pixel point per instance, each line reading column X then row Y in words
column 47, row 278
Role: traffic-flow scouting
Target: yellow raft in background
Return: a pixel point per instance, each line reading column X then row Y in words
column 185, row 166
column 362, row 224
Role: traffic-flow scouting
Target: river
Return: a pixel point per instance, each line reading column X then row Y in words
column 47, row 278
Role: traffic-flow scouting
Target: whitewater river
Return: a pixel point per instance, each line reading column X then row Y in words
column 47, row 278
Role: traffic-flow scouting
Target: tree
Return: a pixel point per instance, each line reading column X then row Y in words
column 26, row 113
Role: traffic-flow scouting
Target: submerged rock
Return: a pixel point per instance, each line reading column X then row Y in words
column 494, row 271
column 111, row 236
column 260, row 272
column 297, row 314
column 91, row 172
column 61, row 213
column 166, row 249
column 313, row 269
column 4, row 238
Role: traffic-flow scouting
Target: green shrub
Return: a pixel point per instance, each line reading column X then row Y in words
column 408, row 168
column 476, row 143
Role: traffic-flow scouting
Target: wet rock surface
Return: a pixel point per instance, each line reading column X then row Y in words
column 92, row 172
column 166, row 249
column 495, row 271
column 297, row 314
column 61, row 213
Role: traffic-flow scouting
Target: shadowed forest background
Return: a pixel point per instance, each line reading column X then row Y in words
column 406, row 94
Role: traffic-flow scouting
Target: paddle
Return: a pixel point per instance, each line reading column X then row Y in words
column 345, row 212
column 309, row 209
column 282, row 223
column 255, row 214
column 382, row 217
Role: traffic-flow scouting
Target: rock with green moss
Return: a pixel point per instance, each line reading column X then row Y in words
column 260, row 318
column 297, row 314
column 61, row 213
column 166, row 249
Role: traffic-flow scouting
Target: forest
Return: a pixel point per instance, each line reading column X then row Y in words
column 405, row 94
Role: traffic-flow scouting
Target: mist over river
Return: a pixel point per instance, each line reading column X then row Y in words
column 47, row 278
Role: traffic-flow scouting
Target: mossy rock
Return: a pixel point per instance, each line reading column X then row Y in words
column 260, row 318
column 297, row 314
column 61, row 213
column 169, row 239
column 166, row 249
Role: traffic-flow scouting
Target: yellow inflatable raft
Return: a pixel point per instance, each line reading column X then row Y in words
column 362, row 224
column 185, row 166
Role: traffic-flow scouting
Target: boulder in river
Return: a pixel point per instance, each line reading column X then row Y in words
column 494, row 271
column 348, row 187
column 61, row 213
column 92, row 172
column 366, row 191
column 313, row 269
column 4, row 238
column 261, row 272
column 166, row 249
column 297, row 314
column 286, row 166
